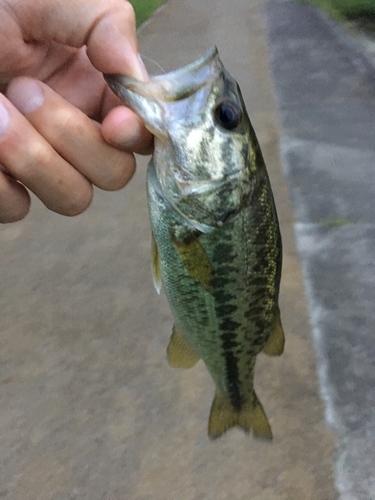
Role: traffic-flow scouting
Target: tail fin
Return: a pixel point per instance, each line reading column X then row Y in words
column 250, row 417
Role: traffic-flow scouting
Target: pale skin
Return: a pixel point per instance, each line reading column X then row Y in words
column 61, row 128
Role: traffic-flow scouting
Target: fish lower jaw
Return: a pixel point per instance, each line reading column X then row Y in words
column 199, row 212
column 204, row 226
column 195, row 224
column 189, row 187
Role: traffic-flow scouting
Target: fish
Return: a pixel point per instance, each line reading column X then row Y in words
column 216, row 243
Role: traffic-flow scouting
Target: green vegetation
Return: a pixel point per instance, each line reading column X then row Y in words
column 144, row 8
column 351, row 9
column 336, row 222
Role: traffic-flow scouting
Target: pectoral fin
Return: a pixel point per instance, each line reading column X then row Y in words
column 250, row 417
column 155, row 265
column 179, row 352
column 276, row 340
column 195, row 260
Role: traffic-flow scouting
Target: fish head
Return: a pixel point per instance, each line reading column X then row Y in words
column 203, row 138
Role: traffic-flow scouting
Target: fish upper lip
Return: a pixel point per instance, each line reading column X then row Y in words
column 173, row 86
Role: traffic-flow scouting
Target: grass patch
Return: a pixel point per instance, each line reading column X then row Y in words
column 144, row 8
column 336, row 222
column 350, row 9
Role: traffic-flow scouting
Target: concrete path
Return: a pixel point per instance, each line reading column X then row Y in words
column 326, row 89
column 89, row 408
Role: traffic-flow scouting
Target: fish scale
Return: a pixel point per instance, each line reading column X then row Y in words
column 216, row 239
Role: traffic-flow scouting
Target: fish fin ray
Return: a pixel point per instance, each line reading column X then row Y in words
column 179, row 352
column 195, row 261
column 276, row 340
column 250, row 417
column 155, row 265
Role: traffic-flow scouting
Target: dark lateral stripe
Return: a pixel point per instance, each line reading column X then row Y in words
column 226, row 305
column 233, row 382
column 231, row 362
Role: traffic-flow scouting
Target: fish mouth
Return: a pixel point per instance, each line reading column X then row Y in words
column 173, row 86
column 152, row 100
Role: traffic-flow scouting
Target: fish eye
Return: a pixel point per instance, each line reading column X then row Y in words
column 228, row 115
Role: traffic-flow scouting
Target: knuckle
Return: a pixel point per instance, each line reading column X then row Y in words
column 124, row 8
column 39, row 154
column 66, row 119
column 14, row 200
column 119, row 173
column 130, row 12
column 78, row 202
column 14, row 213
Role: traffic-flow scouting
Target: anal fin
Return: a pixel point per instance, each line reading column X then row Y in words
column 179, row 352
column 276, row 340
column 250, row 417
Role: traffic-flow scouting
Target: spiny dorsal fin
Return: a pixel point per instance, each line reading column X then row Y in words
column 250, row 417
column 195, row 260
column 276, row 340
column 179, row 352
column 155, row 265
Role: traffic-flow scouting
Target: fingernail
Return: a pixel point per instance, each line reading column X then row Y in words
column 143, row 69
column 4, row 119
column 139, row 70
column 26, row 95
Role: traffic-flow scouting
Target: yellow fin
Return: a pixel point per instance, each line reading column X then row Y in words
column 179, row 352
column 155, row 265
column 276, row 340
column 250, row 417
column 195, row 260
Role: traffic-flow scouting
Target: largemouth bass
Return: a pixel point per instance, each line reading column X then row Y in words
column 216, row 244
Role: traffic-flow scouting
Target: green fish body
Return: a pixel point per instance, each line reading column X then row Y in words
column 216, row 243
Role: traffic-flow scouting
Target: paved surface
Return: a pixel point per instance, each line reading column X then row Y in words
column 89, row 408
column 325, row 84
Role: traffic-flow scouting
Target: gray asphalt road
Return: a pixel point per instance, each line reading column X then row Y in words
column 89, row 409
column 326, row 91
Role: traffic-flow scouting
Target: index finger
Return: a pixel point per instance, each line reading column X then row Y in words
column 106, row 27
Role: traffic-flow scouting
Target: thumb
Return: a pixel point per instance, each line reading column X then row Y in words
column 106, row 27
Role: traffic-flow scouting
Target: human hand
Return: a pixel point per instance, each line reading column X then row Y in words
column 61, row 128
